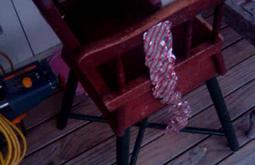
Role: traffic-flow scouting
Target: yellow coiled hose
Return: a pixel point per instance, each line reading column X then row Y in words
column 16, row 143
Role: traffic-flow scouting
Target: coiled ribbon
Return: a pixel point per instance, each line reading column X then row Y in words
column 159, row 58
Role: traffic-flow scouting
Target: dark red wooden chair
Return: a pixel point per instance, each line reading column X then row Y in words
column 105, row 53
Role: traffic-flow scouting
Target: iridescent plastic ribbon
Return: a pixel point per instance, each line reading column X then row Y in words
column 161, row 62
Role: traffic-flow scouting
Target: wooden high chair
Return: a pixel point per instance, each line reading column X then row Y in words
column 107, row 57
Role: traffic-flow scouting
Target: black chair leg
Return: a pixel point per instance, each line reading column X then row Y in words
column 223, row 114
column 123, row 148
column 138, row 142
column 67, row 100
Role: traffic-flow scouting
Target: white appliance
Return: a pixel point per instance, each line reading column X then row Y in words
column 24, row 34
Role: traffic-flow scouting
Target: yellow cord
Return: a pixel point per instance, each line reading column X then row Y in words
column 16, row 143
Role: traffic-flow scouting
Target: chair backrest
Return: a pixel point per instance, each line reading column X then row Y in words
column 116, row 64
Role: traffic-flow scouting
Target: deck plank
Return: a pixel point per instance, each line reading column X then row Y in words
column 237, row 51
column 215, row 150
column 245, row 156
column 43, row 111
column 47, row 132
column 49, row 108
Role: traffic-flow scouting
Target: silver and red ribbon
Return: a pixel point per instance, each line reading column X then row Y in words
column 158, row 47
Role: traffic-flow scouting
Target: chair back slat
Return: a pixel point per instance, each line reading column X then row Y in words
column 188, row 38
column 121, row 73
column 218, row 13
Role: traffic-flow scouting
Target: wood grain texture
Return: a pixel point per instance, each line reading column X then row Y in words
column 47, row 132
column 236, row 73
column 198, row 103
column 45, row 110
column 67, row 147
column 158, row 133
column 215, row 154
column 246, row 152
column 215, row 149
column 230, row 36
column 242, row 24
column 49, row 108
column 237, row 50
column 158, row 152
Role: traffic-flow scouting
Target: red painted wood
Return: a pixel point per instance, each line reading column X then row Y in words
column 188, row 37
column 111, row 66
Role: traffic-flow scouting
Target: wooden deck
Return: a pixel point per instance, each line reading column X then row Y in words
column 86, row 143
